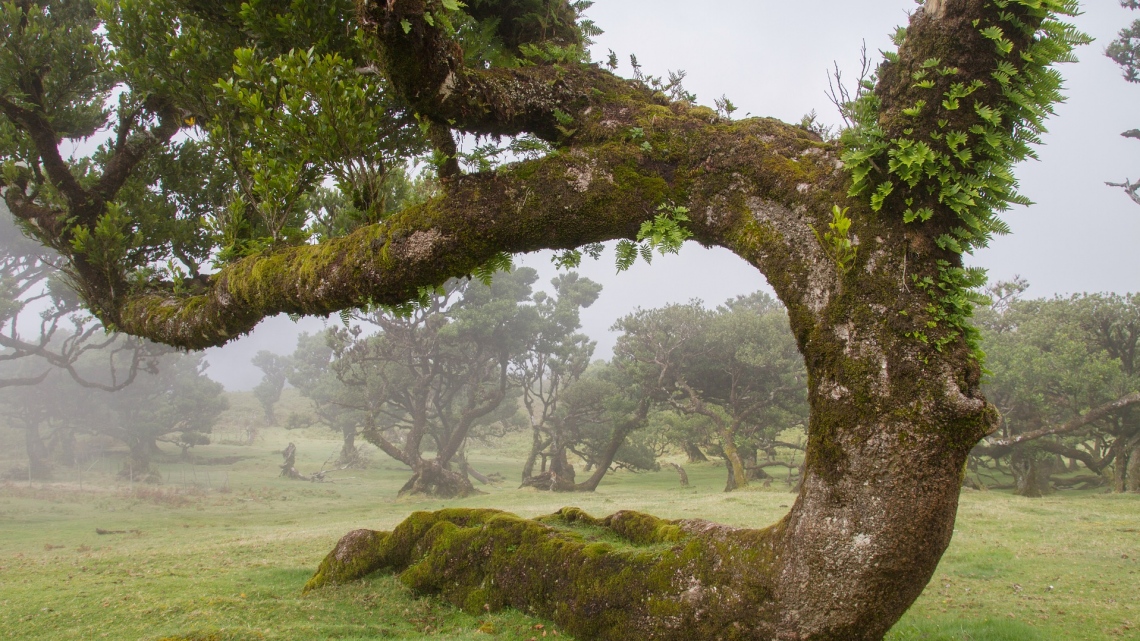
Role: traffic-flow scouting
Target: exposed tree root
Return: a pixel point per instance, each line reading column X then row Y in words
column 627, row 576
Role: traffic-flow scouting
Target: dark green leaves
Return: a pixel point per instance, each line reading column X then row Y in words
column 664, row 234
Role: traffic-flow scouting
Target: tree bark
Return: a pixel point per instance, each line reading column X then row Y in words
column 1126, row 468
column 737, row 475
column 289, row 464
column 137, row 465
column 1133, row 481
column 1031, row 473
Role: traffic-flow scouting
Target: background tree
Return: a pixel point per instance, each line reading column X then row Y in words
column 275, row 373
column 1125, row 51
column 554, row 361
column 1063, row 378
column 596, row 417
column 748, row 380
column 345, row 409
column 432, row 376
column 45, row 334
column 177, row 404
column 862, row 239
column 173, row 403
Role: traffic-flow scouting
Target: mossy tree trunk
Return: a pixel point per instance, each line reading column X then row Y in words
column 1029, row 477
column 1126, row 468
column 349, row 454
column 896, row 405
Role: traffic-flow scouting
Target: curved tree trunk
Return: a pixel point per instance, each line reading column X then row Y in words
column 878, row 314
column 536, row 448
column 893, row 418
column 737, row 475
column 683, row 476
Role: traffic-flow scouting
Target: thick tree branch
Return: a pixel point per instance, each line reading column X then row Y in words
column 1074, row 425
column 24, row 382
column 44, row 137
column 782, row 181
column 426, row 68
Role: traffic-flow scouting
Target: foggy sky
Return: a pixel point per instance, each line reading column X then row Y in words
column 771, row 59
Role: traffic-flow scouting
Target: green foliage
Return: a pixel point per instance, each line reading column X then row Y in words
column 954, row 295
column 275, row 373
column 837, row 242
column 275, row 100
column 1052, row 361
column 485, row 273
column 966, row 173
column 1125, row 50
column 306, row 116
column 665, row 234
column 572, row 258
column 60, row 36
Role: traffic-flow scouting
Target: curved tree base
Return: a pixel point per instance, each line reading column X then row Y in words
column 627, row 576
column 432, row 479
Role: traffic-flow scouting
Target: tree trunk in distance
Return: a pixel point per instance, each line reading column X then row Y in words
column 431, row 478
column 681, row 473
column 693, row 451
column 349, row 454
column 137, row 465
column 1025, row 471
column 532, row 458
column 289, row 466
column 1134, row 469
column 737, row 475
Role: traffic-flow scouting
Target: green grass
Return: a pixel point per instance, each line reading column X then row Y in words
column 221, row 551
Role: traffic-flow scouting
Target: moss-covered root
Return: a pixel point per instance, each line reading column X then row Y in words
column 356, row 554
column 627, row 576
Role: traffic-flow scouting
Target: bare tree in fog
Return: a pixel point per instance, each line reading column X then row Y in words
column 45, row 337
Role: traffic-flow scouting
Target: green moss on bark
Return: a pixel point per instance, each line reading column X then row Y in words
column 625, row 576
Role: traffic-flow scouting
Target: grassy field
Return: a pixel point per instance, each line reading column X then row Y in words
column 221, row 551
